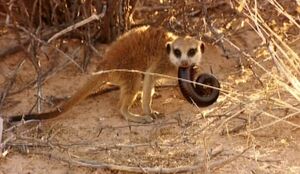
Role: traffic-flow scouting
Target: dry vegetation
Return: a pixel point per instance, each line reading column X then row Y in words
column 252, row 48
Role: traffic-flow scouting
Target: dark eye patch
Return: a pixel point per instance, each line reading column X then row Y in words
column 192, row 52
column 177, row 53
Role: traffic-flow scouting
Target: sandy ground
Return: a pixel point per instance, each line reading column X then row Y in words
column 94, row 130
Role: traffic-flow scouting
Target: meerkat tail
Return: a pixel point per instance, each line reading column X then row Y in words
column 94, row 82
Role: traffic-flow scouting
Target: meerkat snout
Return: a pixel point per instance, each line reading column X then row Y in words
column 185, row 51
column 184, row 63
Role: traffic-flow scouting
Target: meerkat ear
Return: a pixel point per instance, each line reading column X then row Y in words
column 202, row 47
column 168, row 47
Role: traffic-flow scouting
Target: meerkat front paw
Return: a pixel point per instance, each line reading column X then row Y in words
column 156, row 114
column 146, row 119
column 140, row 119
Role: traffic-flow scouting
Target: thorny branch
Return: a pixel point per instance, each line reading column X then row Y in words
column 10, row 83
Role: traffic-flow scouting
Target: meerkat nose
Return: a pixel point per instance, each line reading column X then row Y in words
column 184, row 63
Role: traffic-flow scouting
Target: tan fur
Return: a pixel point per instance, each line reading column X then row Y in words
column 143, row 49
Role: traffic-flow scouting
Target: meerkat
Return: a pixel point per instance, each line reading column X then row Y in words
column 146, row 49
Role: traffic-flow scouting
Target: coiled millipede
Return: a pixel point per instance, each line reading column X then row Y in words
column 197, row 94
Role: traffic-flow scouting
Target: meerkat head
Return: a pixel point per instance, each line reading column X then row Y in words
column 185, row 51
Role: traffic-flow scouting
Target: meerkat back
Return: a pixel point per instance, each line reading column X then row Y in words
column 138, row 49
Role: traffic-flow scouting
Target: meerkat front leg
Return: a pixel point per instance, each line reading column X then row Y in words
column 128, row 94
column 148, row 91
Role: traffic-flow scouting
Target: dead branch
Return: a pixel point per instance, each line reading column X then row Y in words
column 53, row 47
column 10, row 83
column 221, row 163
column 12, row 46
column 47, row 74
column 15, row 44
column 218, row 36
column 1, row 133
column 79, row 24
column 202, row 166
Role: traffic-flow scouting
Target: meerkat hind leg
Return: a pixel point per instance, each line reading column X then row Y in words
column 127, row 97
column 148, row 91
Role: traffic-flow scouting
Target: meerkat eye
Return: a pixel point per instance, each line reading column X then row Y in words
column 168, row 48
column 192, row 52
column 177, row 53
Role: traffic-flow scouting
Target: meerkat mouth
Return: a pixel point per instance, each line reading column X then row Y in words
column 186, row 65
